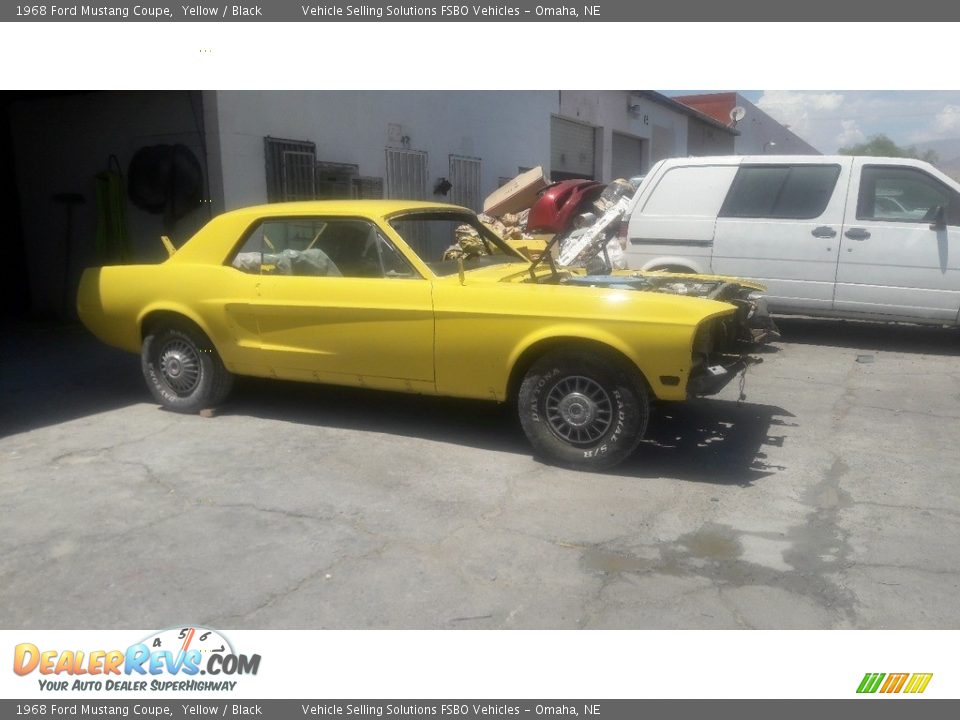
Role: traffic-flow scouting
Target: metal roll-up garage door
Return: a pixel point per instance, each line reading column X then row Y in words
column 627, row 160
column 572, row 149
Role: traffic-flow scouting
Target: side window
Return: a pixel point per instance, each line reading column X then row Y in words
column 902, row 194
column 796, row 192
column 394, row 264
column 320, row 247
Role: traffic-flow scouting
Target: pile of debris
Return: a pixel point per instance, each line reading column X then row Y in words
column 510, row 226
column 467, row 244
column 584, row 214
column 590, row 223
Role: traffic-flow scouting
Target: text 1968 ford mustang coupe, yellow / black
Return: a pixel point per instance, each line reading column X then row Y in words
column 423, row 298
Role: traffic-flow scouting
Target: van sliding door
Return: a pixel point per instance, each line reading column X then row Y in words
column 780, row 224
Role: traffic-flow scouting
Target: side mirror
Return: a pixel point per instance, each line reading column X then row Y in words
column 939, row 219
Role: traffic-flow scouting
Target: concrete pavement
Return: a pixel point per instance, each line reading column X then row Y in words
column 829, row 498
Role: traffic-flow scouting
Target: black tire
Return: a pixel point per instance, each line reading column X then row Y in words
column 182, row 368
column 583, row 410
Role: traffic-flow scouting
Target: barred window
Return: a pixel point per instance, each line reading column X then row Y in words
column 291, row 169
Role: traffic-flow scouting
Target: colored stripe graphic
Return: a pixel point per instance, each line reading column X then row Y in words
column 894, row 682
column 918, row 683
column 870, row 682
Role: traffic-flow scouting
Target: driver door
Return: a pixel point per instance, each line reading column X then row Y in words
column 338, row 304
column 895, row 262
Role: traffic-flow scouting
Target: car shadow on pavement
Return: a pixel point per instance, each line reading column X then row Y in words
column 50, row 375
column 710, row 441
column 859, row 335
column 473, row 423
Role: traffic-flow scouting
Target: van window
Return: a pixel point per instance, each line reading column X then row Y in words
column 903, row 194
column 798, row 192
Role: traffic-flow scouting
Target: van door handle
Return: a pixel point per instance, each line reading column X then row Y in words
column 824, row 231
column 857, row 234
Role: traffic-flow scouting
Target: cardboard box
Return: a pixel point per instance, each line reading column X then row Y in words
column 516, row 195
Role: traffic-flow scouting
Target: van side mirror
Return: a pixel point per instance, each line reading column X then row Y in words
column 939, row 219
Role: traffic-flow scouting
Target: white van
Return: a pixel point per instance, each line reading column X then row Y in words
column 856, row 237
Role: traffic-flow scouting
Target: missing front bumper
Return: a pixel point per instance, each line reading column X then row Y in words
column 711, row 379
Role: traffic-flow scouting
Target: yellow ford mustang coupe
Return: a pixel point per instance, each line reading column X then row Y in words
column 390, row 295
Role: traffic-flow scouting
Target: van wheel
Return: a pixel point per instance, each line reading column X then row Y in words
column 581, row 411
column 183, row 370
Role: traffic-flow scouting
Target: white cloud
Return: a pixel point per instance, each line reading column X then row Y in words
column 850, row 133
column 829, row 119
column 799, row 105
column 814, row 116
column 946, row 123
column 802, row 111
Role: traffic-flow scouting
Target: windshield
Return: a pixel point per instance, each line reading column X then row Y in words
column 441, row 239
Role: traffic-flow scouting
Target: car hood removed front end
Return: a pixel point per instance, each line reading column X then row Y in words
column 724, row 345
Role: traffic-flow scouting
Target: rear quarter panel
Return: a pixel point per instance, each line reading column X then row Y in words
column 114, row 301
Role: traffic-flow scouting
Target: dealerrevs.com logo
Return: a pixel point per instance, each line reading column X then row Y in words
column 911, row 683
column 171, row 659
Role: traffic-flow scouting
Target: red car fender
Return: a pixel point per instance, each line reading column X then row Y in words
column 560, row 202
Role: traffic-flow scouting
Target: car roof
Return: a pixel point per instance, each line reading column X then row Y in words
column 785, row 160
column 370, row 208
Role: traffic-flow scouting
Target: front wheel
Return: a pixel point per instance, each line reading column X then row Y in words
column 183, row 370
column 582, row 411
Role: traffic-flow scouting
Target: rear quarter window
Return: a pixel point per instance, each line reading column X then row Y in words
column 797, row 192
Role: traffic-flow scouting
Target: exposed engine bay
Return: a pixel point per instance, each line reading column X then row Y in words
column 586, row 224
column 722, row 346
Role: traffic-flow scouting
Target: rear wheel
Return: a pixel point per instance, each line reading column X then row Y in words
column 582, row 411
column 182, row 368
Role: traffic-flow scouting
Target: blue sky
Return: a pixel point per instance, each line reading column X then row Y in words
column 829, row 119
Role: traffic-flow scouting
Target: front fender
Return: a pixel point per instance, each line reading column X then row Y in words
column 660, row 353
column 573, row 332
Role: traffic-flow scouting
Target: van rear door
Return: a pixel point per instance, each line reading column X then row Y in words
column 780, row 224
column 896, row 262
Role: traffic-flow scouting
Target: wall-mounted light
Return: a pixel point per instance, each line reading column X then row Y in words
column 442, row 186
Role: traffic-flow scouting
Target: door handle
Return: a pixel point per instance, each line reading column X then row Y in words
column 824, row 231
column 857, row 234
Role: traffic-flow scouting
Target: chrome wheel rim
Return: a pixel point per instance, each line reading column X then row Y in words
column 578, row 410
column 180, row 366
